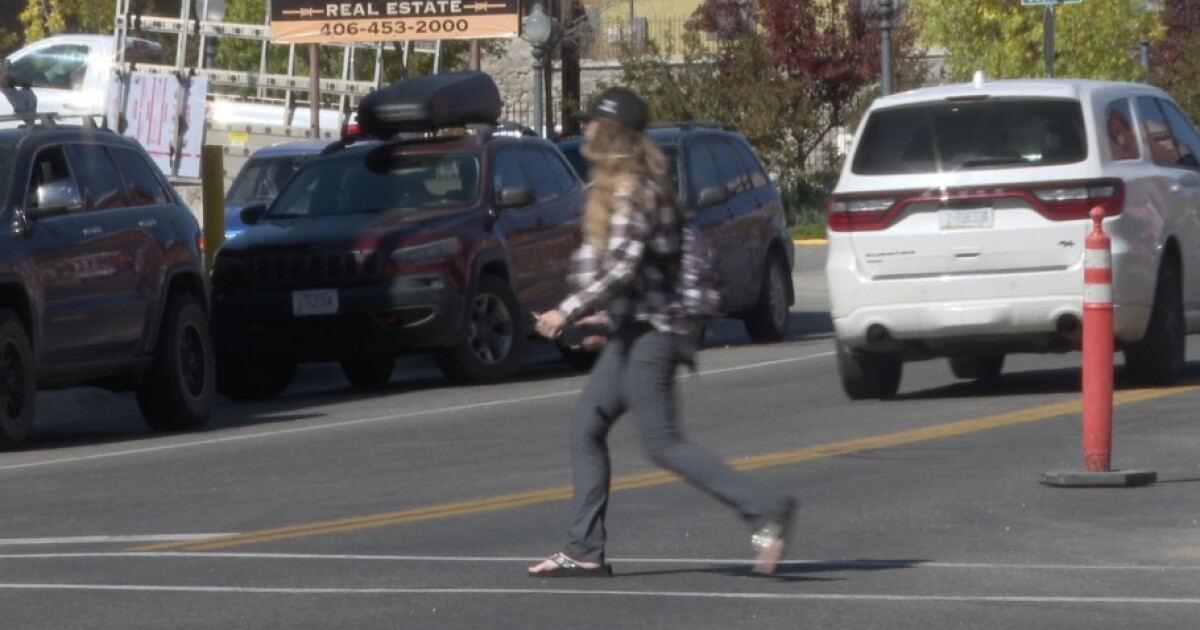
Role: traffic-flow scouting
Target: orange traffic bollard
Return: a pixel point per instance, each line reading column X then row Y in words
column 1098, row 371
column 1097, row 348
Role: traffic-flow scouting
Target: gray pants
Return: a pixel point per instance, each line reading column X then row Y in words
column 636, row 372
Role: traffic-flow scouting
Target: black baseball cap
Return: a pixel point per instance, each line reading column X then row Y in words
column 621, row 105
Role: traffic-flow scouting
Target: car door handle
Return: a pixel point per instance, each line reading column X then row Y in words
column 93, row 231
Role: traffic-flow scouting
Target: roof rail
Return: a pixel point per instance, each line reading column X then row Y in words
column 51, row 119
column 687, row 125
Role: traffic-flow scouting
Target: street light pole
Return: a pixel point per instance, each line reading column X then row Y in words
column 537, row 28
column 538, row 54
column 885, row 43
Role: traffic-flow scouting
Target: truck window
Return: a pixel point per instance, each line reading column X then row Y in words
column 61, row 67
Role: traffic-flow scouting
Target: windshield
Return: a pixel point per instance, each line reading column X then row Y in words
column 378, row 182
column 946, row 135
column 261, row 179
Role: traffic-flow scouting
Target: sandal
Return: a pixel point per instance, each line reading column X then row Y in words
column 771, row 540
column 566, row 567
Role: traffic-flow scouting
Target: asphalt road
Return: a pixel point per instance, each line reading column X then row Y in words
column 421, row 506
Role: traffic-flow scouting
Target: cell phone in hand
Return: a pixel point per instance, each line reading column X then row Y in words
column 573, row 334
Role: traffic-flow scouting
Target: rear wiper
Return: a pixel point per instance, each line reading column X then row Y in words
column 992, row 160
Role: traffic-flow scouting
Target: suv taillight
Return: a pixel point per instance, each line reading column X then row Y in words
column 1057, row 201
column 860, row 214
column 1074, row 200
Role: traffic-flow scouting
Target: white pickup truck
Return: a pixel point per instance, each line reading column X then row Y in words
column 73, row 74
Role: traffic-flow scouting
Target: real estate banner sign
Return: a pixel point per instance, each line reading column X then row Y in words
column 309, row 21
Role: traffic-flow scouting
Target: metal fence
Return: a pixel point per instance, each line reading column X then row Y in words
column 613, row 36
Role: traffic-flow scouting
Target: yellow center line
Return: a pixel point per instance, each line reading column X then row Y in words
column 658, row 478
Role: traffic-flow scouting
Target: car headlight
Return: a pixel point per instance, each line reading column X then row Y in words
column 444, row 248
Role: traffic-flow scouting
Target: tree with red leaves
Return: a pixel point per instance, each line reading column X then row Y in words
column 1175, row 61
column 789, row 74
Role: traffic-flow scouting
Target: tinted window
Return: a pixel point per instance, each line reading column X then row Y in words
column 758, row 177
column 261, row 179
column 562, row 172
column 1185, row 135
column 50, row 165
column 728, row 165
column 945, row 136
column 1158, row 133
column 141, row 182
column 702, row 170
column 98, row 180
column 506, row 171
column 61, row 67
column 1122, row 141
column 545, row 186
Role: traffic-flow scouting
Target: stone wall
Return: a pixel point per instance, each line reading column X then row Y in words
column 513, row 73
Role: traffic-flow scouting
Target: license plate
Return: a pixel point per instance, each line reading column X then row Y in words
column 314, row 302
column 965, row 218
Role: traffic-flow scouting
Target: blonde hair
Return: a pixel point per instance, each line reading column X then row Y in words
column 614, row 152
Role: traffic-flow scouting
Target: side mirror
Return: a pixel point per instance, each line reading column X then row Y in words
column 56, row 197
column 712, row 196
column 515, row 197
column 252, row 213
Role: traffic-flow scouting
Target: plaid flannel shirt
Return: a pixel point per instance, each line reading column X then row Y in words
column 634, row 280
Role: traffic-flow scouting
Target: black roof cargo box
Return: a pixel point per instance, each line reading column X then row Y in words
column 429, row 103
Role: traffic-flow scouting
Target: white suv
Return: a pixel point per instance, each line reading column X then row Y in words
column 957, row 228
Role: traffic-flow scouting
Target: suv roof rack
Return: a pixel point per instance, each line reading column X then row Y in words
column 51, row 119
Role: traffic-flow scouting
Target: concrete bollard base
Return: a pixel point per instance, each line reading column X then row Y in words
column 1107, row 479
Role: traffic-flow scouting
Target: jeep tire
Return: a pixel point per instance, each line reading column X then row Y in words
column 767, row 320
column 176, row 393
column 492, row 345
column 18, row 386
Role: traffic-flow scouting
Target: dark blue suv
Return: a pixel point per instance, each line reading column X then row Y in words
column 102, row 281
column 726, row 194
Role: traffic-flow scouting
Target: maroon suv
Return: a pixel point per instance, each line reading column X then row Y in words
column 441, row 245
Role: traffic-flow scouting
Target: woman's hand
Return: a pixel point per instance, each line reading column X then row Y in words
column 551, row 323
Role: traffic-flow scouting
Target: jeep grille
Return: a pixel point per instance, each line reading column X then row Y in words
column 307, row 270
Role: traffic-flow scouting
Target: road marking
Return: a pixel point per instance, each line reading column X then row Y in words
column 792, row 565
column 189, row 443
column 658, row 478
column 1001, row 599
column 101, row 539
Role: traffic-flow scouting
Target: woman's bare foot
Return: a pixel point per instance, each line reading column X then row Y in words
column 560, row 565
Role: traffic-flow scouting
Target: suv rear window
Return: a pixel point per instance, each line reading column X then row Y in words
column 950, row 135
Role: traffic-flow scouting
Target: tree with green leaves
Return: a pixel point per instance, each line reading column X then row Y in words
column 42, row 18
column 1094, row 39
